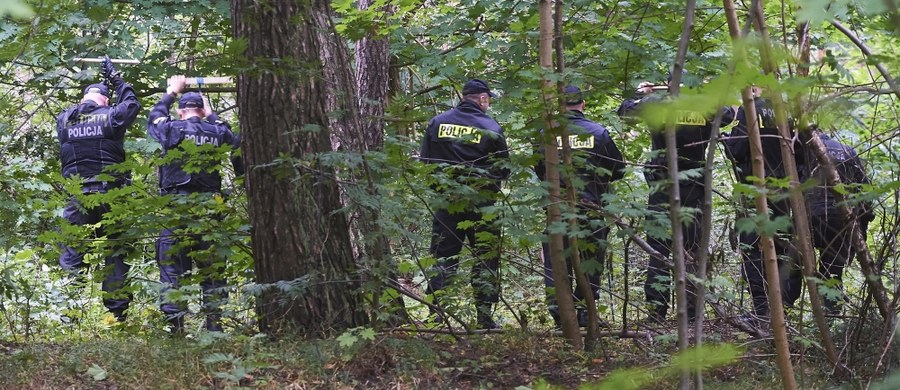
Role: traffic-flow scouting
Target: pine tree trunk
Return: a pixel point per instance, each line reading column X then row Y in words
column 301, row 245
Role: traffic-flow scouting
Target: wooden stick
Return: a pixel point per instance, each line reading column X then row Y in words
column 113, row 60
column 208, row 80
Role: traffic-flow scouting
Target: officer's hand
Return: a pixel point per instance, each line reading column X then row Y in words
column 175, row 84
column 645, row 87
column 109, row 71
column 207, row 109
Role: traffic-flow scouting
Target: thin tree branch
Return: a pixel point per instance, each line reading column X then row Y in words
column 868, row 53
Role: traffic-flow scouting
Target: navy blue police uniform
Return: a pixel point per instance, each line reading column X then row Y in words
column 92, row 138
column 467, row 143
column 692, row 133
column 597, row 162
column 176, row 181
column 737, row 148
column 832, row 234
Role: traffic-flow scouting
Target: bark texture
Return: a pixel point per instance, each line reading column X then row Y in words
column 373, row 59
column 798, row 208
column 301, row 245
column 564, row 300
column 678, row 251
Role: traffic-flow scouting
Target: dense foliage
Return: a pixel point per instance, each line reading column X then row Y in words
column 435, row 46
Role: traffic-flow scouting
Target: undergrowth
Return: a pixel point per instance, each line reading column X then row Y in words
column 512, row 360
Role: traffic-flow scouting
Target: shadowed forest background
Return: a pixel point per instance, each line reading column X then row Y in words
column 324, row 243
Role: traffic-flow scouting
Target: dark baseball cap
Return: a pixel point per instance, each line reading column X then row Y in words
column 97, row 88
column 475, row 86
column 190, row 100
column 572, row 95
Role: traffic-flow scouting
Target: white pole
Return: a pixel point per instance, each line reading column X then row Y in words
column 208, row 80
column 113, row 60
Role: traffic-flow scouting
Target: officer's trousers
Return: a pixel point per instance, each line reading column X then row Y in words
column 176, row 259
column 114, row 269
column 657, row 286
column 447, row 239
column 753, row 268
column 593, row 257
column 832, row 237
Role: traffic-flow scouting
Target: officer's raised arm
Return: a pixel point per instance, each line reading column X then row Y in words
column 159, row 114
column 127, row 106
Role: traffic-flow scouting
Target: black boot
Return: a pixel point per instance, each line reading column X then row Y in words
column 484, row 319
column 657, row 314
column 582, row 317
column 120, row 316
column 213, row 323
column 554, row 313
column 832, row 307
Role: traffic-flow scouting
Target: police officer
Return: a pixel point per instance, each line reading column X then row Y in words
column 597, row 162
column 467, row 144
column 91, row 138
column 832, row 234
column 692, row 132
column 196, row 124
column 737, row 147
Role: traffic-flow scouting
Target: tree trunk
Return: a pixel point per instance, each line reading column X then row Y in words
column 809, row 262
column 373, row 59
column 581, row 278
column 801, row 222
column 301, row 245
column 767, row 243
column 678, row 255
column 561, row 283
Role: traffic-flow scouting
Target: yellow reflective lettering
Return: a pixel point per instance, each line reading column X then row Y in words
column 690, row 118
column 461, row 133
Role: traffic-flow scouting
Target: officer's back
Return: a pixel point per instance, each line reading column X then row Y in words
column 466, row 136
column 92, row 133
column 194, row 129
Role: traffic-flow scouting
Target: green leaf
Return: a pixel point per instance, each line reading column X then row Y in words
column 15, row 8
column 367, row 334
column 97, row 373
column 217, row 357
column 705, row 356
column 347, row 339
column 627, row 379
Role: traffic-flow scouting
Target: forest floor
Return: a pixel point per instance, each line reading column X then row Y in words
column 363, row 359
